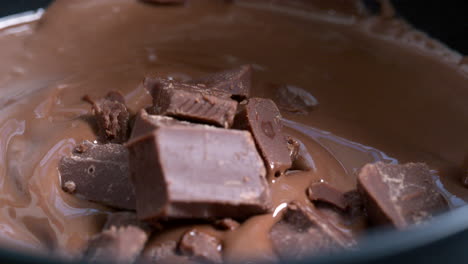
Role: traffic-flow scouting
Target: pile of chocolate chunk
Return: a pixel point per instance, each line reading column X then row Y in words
column 206, row 151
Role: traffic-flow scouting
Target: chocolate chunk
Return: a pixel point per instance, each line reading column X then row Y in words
column 324, row 192
column 236, row 82
column 125, row 219
column 263, row 119
column 119, row 245
column 342, row 209
column 145, row 123
column 99, row 173
column 303, row 231
column 295, row 99
column 355, row 204
column 112, row 118
column 182, row 172
column 192, row 103
column 165, row 253
column 227, row 224
column 300, row 156
column 399, row 195
column 201, row 246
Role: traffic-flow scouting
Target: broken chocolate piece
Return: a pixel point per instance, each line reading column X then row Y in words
column 165, row 253
column 112, row 118
column 300, row 156
column 355, row 204
column 399, row 195
column 99, row 174
column 201, row 246
column 182, row 172
column 303, row 231
column 191, row 103
column 263, row 119
column 236, row 82
column 295, row 99
column 145, row 123
column 125, row 219
column 119, row 245
column 324, row 192
column 227, row 224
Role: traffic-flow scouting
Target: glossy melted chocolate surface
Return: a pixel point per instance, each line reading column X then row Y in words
column 385, row 93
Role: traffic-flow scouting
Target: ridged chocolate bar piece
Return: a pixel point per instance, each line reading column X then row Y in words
column 262, row 118
column 190, row 102
column 99, row 173
column 303, row 231
column 145, row 123
column 237, row 82
column 197, row 172
column 399, row 195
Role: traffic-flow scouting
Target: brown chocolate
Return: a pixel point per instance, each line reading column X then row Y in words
column 119, row 245
column 112, row 118
column 125, row 219
column 355, row 204
column 303, row 232
column 165, row 2
column 262, row 118
column 165, row 253
column 192, row 102
column 237, row 82
column 324, row 192
column 399, row 195
column 300, row 156
column 201, row 246
column 182, row 172
column 227, row 224
column 295, row 99
column 145, row 123
column 99, row 173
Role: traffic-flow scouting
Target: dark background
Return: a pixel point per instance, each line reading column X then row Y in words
column 446, row 20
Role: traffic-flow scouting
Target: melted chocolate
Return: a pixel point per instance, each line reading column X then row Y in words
column 378, row 83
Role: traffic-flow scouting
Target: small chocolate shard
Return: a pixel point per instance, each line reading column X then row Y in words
column 237, row 82
column 112, row 118
column 125, row 219
column 295, row 99
column 303, row 232
column 399, row 195
column 119, row 245
column 324, row 192
column 145, row 123
column 263, row 119
column 227, row 224
column 300, row 156
column 201, row 247
column 99, row 174
column 69, row 187
column 182, row 172
column 190, row 102
column 165, row 253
